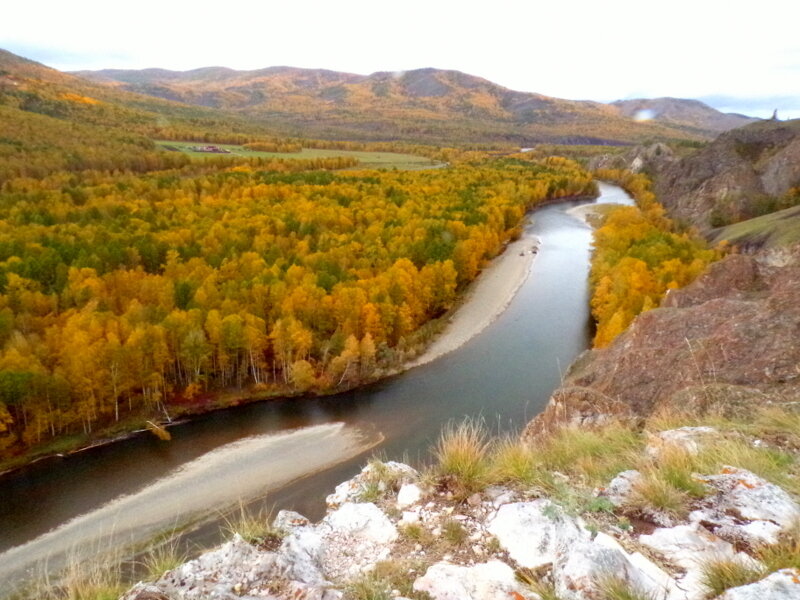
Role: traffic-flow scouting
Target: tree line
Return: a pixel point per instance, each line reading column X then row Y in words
column 639, row 254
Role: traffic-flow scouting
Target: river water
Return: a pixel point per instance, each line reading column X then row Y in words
column 289, row 454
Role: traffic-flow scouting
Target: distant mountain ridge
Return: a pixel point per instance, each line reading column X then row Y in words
column 428, row 105
column 424, row 104
column 683, row 112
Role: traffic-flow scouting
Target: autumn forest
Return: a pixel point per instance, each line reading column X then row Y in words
column 139, row 284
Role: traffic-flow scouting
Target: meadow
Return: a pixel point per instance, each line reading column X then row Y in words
column 367, row 160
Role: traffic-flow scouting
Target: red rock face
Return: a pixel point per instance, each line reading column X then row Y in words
column 729, row 339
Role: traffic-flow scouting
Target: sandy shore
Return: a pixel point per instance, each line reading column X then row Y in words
column 486, row 299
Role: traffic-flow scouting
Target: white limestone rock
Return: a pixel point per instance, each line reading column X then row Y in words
column 144, row 591
column 689, row 547
column 689, row 439
column 580, row 570
column 747, row 496
column 356, row 536
column 300, row 556
column 621, row 487
column 234, row 570
column 410, row 517
column 486, row 581
column 781, row 585
column 408, row 495
column 533, row 532
column 353, row 489
column 289, row 520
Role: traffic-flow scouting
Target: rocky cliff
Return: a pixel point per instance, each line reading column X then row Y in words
column 727, row 341
column 727, row 178
column 734, row 178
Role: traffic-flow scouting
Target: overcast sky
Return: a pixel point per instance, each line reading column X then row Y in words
column 737, row 55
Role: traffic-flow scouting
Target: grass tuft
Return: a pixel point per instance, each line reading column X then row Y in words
column 617, row 588
column 454, row 532
column 255, row 527
column 783, row 555
column 531, row 580
column 513, row 461
column 163, row 558
column 387, row 576
column 461, row 455
column 655, row 493
column 369, row 587
column 720, row 575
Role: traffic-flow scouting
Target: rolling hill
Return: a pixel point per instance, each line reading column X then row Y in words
column 423, row 105
column 690, row 115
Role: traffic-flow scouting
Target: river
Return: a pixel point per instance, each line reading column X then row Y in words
column 290, row 453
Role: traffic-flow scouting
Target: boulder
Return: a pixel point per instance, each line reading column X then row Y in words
column 300, row 556
column 409, row 494
column 493, row 580
column 747, row 496
column 688, row 439
column 582, row 571
column 781, row 585
column 689, row 547
column 234, row 570
column 533, row 532
column 353, row 489
column 288, row 520
column 355, row 537
column 621, row 487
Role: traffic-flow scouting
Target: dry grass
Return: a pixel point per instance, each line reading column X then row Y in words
column 720, row 575
column 387, row 576
column 783, row 555
column 616, row 588
column 454, row 533
column 97, row 579
column 544, row 589
column 654, row 493
column 462, row 457
column 255, row 527
column 163, row 558
column 589, row 457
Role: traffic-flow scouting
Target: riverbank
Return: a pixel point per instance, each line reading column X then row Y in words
column 485, row 300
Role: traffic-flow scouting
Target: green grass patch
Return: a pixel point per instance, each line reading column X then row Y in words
column 368, row 160
column 778, row 229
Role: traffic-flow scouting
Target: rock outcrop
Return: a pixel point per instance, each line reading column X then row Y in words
column 500, row 544
column 737, row 169
column 727, row 342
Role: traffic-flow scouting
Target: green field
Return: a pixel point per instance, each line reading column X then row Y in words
column 778, row 229
column 369, row 160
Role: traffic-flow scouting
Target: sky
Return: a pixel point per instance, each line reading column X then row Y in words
column 738, row 56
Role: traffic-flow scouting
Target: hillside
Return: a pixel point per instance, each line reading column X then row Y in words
column 53, row 121
column 420, row 105
column 744, row 173
column 691, row 115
